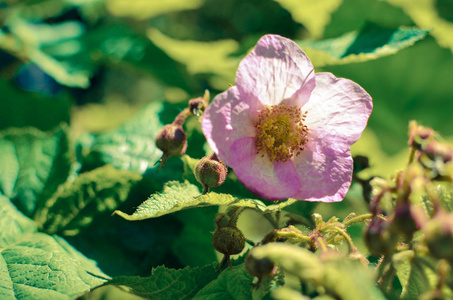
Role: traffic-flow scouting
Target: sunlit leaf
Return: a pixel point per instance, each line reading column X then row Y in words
column 201, row 57
column 131, row 146
column 314, row 15
column 427, row 14
column 178, row 196
column 166, row 283
column 34, row 265
column 34, row 163
column 75, row 204
column 369, row 43
column 143, row 9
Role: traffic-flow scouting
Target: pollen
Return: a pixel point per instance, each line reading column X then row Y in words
column 280, row 132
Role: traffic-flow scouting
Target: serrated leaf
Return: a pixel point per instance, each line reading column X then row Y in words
column 177, row 196
column 34, row 265
column 416, row 273
column 166, row 283
column 369, row 43
column 34, row 163
column 75, row 204
column 131, row 146
column 231, row 284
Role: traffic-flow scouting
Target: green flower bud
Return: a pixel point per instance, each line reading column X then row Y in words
column 172, row 141
column 228, row 240
column 378, row 237
column 222, row 220
column 210, row 172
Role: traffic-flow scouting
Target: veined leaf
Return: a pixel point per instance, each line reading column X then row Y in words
column 166, row 283
column 177, row 196
column 417, row 274
column 75, row 204
column 369, row 43
column 34, row 265
column 231, row 284
column 34, row 163
column 131, row 146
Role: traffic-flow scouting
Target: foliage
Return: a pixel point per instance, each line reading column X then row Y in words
column 86, row 212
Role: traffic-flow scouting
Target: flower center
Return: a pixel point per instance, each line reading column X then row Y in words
column 280, row 132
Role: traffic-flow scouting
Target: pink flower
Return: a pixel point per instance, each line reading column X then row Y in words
column 284, row 130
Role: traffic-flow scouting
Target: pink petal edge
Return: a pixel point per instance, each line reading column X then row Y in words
column 276, row 71
column 269, row 180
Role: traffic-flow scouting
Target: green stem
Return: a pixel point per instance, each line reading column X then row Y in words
column 346, row 236
column 357, row 219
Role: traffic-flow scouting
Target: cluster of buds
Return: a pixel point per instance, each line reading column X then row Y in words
column 172, row 139
column 228, row 239
column 396, row 204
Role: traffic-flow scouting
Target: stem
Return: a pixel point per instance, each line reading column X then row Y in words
column 297, row 237
column 357, row 219
column 346, row 236
column 181, row 117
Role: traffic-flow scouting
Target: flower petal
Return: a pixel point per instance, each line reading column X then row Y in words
column 267, row 179
column 326, row 173
column 225, row 120
column 276, row 71
column 338, row 110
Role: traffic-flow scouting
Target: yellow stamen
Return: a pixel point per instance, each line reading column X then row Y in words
column 280, row 132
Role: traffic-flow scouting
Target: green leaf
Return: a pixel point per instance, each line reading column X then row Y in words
column 193, row 247
column 178, row 196
column 166, row 283
column 149, row 9
column 198, row 56
column 34, row 163
column 22, row 109
column 429, row 14
column 340, row 277
column 75, row 204
column 34, row 265
column 416, row 273
column 369, row 43
column 231, row 284
column 131, row 146
column 314, row 15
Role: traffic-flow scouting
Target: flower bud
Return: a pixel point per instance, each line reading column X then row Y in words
column 407, row 219
column 261, row 268
column 378, row 237
column 228, row 240
column 418, row 134
column 439, row 236
column 434, row 150
column 172, row 141
column 210, row 172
